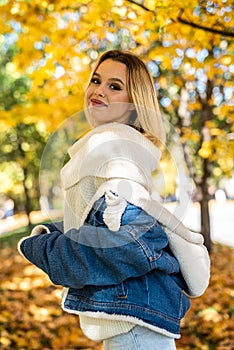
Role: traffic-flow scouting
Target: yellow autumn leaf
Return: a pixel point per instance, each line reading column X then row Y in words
column 195, row 106
column 5, row 341
column 205, row 151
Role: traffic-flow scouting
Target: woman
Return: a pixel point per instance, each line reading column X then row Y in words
column 128, row 265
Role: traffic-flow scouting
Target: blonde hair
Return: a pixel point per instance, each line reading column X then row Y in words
column 140, row 86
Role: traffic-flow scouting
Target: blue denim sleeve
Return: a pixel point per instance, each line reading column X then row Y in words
column 72, row 264
column 94, row 255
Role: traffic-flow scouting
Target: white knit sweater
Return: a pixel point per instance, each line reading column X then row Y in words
column 116, row 158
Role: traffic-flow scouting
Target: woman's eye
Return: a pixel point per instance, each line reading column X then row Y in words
column 115, row 87
column 95, row 81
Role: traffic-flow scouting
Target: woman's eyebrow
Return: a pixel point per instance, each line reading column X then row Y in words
column 119, row 80
column 111, row 79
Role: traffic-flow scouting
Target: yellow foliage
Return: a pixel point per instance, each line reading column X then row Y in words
column 210, row 124
column 226, row 164
column 206, row 150
column 189, row 135
column 194, row 106
column 163, row 82
column 179, row 81
column 148, row 17
column 216, row 132
column 67, row 38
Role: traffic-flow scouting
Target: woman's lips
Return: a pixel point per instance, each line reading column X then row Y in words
column 97, row 103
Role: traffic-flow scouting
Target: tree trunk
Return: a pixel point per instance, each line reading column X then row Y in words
column 204, row 197
column 205, row 222
column 204, row 205
column 206, row 115
column 200, row 181
column 27, row 204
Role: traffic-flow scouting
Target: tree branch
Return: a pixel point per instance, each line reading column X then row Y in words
column 140, row 5
column 191, row 24
column 207, row 29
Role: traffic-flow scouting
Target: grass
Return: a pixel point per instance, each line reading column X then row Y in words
column 10, row 239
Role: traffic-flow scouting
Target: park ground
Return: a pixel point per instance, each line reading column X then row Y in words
column 31, row 317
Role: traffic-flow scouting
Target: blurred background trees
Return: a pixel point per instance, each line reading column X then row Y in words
column 46, row 52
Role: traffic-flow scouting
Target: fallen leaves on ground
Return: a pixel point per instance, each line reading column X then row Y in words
column 209, row 323
column 31, row 317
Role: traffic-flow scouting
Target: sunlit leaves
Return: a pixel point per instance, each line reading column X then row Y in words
column 53, row 37
column 185, row 44
column 31, row 316
column 211, row 318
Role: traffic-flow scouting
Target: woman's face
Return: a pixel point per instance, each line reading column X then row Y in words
column 106, row 96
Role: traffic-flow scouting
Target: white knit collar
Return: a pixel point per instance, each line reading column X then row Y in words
column 111, row 150
column 119, row 129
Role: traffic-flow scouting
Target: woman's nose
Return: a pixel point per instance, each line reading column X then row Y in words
column 100, row 91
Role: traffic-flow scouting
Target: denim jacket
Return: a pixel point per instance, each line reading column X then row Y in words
column 128, row 275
